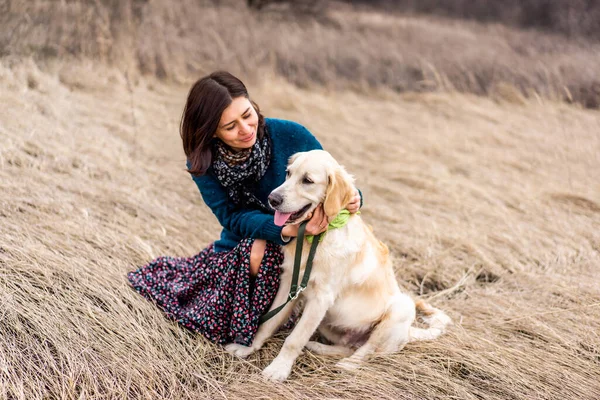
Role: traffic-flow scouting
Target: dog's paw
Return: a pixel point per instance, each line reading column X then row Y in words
column 277, row 371
column 347, row 364
column 239, row 350
column 315, row 347
column 437, row 319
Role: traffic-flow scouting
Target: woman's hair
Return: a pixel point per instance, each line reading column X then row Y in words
column 207, row 100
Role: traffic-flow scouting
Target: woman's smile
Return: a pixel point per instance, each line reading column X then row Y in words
column 238, row 125
column 249, row 138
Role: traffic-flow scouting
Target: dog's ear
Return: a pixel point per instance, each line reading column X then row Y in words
column 339, row 192
column 293, row 158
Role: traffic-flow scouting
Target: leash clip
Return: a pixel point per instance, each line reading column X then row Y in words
column 295, row 296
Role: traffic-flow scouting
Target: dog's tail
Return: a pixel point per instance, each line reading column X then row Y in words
column 436, row 320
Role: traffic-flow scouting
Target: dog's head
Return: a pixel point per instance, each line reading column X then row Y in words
column 313, row 177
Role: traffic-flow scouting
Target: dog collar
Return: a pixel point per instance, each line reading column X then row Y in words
column 338, row 222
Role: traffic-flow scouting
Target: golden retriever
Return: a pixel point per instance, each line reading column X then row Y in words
column 352, row 298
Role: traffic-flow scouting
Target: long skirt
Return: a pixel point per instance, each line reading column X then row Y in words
column 211, row 293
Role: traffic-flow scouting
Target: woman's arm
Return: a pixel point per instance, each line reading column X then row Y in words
column 245, row 223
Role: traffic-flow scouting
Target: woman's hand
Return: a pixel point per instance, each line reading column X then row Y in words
column 289, row 231
column 354, row 204
column 318, row 222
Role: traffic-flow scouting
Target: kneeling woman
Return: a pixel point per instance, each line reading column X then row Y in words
column 236, row 157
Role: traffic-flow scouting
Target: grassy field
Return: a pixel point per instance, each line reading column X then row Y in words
column 490, row 207
column 340, row 48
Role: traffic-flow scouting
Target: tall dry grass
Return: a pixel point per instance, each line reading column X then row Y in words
column 574, row 18
column 490, row 211
column 490, row 207
column 342, row 48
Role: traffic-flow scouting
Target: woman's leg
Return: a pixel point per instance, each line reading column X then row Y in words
column 256, row 255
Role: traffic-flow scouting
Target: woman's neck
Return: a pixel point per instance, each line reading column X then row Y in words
column 233, row 156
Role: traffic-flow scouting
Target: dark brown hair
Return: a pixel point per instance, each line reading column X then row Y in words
column 207, row 100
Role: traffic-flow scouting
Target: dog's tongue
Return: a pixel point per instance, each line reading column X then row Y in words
column 281, row 218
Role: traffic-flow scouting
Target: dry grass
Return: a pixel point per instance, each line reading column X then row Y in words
column 499, row 202
column 341, row 49
column 572, row 18
column 490, row 207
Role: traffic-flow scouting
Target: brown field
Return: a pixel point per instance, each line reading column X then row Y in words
column 339, row 48
column 574, row 18
column 490, row 207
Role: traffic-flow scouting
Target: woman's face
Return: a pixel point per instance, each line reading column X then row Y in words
column 238, row 125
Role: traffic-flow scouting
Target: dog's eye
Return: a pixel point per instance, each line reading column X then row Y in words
column 307, row 181
column 287, row 174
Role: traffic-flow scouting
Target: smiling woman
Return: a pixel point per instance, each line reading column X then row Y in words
column 238, row 125
column 237, row 158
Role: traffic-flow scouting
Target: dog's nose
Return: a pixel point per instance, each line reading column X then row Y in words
column 275, row 200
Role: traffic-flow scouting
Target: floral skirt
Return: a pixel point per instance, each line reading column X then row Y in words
column 211, row 293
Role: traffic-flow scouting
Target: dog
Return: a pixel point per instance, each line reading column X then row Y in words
column 352, row 298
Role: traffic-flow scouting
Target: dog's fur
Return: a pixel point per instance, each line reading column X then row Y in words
column 352, row 298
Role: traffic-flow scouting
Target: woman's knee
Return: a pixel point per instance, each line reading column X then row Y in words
column 256, row 255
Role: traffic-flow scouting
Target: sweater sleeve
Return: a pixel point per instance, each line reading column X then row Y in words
column 361, row 198
column 244, row 223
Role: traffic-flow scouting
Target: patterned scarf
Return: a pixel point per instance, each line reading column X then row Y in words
column 239, row 172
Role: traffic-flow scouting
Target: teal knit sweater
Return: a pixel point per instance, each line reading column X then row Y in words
column 238, row 223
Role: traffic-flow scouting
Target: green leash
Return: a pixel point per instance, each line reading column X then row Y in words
column 295, row 290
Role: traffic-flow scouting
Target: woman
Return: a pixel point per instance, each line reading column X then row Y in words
column 236, row 158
